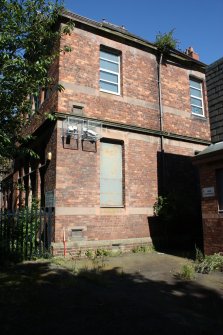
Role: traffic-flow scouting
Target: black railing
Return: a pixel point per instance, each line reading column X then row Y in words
column 26, row 233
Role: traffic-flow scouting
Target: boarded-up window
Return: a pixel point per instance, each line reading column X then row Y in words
column 111, row 189
column 219, row 177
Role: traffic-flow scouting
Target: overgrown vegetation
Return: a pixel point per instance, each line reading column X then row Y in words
column 187, row 272
column 203, row 264
column 143, row 249
column 161, row 207
column 92, row 262
column 92, row 254
column 170, row 207
column 25, row 234
column 209, row 263
column 166, row 41
column 86, row 264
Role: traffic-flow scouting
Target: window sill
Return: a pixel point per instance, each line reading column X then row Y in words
column 104, row 91
column 111, row 211
column 200, row 117
column 112, row 206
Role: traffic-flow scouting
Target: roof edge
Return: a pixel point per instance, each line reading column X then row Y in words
column 214, row 64
column 122, row 32
column 211, row 152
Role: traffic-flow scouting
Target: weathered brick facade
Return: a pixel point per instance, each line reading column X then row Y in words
column 210, row 162
column 212, row 217
column 131, row 118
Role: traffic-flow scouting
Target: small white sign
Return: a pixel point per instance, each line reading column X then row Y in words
column 49, row 199
column 208, row 192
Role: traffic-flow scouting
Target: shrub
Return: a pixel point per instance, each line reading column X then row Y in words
column 210, row 263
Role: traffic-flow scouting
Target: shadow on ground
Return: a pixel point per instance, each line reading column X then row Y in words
column 37, row 298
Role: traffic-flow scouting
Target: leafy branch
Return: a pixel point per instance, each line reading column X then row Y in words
column 29, row 45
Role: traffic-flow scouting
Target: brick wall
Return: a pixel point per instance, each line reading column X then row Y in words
column 214, row 77
column 212, row 219
column 138, row 101
column 78, row 188
column 74, row 170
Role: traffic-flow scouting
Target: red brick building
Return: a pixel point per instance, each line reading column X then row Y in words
column 128, row 123
column 210, row 163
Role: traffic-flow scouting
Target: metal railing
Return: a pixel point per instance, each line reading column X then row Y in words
column 25, row 233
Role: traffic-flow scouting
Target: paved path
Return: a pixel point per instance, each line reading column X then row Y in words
column 132, row 294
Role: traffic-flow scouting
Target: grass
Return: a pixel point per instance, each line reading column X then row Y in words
column 92, row 261
column 143, row 249
column 187, row 272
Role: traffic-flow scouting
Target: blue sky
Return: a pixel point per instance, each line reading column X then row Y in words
column 197, row 23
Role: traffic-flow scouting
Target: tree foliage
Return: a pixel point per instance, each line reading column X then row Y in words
column 29, row 38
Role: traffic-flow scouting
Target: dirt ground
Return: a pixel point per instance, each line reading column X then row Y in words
column 130, row 294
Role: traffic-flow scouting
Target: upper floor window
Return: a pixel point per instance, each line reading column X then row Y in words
column 109, row 72
column 196, row 97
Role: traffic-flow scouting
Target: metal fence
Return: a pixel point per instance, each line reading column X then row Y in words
column 26, row 233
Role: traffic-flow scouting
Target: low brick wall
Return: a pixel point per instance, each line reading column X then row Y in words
column 79, row 248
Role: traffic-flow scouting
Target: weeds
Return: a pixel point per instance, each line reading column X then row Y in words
column 187, row 272
column 210, row 263
column 92, row 261
column 165, row 41
column 97, row 257
column 68, row 262
column 99, row 253
column 203, row 264
column 143, row 249
column 199, row 255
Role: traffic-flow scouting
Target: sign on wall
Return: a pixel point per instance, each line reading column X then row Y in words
column 50, row 199
column 208, row 192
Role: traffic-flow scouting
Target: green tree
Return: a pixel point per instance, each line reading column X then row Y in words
column 29, row 35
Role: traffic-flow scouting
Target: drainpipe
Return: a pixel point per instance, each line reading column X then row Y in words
column 160, row 100
column 159, row 64
column 64, row 243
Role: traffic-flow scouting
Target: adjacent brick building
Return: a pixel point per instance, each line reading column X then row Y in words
column 127, row 126
column 210, row 162
column 214, row 77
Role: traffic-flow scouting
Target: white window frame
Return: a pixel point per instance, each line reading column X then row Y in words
column 198, row 98
column 109, row 71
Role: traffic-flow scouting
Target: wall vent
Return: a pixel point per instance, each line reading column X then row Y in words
column 77, row 110
column 77, row 233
